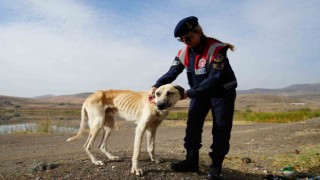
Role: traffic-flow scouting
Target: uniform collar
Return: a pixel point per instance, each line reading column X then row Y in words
column 199, row 49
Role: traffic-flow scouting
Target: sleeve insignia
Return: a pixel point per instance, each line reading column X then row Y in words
column 175, row 63
column 218, row 66
column 218, row 58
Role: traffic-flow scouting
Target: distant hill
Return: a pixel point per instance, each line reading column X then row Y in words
column 293, row 90
column 44, row 96
column 72, row 99
column 10, row 101
column 291, row 97
column 257, row 99
column 79, row 95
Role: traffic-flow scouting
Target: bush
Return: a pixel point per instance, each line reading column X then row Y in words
column 44, row 126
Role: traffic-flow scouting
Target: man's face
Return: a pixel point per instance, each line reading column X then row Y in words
column 191, row 39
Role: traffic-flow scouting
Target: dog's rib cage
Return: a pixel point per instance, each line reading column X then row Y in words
column 129, row 106
column 124, row 104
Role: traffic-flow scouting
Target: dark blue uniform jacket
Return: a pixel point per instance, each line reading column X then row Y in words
column 208, row 70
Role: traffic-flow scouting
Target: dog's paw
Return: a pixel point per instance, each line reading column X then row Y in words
column 137, row 171
column 98, row 163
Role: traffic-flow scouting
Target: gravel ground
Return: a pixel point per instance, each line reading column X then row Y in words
column 48, row 156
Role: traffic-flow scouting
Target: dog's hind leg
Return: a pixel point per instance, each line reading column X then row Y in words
column 88, row 146
column 108, row 127
column 96, row 121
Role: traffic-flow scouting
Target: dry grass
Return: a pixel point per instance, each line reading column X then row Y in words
column 262, row 117
column 307, row 160
column 278, row 117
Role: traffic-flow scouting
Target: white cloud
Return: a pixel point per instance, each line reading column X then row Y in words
column 66, row 52
column 65, row 47
column 277, row 47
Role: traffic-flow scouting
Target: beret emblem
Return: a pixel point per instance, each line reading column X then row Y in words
column 189, row 25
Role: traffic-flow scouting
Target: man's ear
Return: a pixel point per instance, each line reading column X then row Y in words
column 181, row 91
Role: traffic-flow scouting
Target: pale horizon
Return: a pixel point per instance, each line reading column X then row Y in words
column 70, row 47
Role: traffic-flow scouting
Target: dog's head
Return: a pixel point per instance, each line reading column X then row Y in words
column 167, row 95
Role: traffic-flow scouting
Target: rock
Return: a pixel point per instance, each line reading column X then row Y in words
column 265, row 171
column 7, row 103
column 246, row 160
column 39, row 178
column 44, row 166
column 272, row 177
column 303, row 175
column 52, row 165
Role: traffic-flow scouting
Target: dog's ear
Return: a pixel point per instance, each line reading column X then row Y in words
column 181, row 91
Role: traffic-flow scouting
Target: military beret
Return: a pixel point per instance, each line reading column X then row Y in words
column 185, row 26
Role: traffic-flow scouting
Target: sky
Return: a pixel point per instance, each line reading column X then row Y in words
column 64, row 47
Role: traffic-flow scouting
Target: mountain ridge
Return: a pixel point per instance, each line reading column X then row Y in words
column 296, row 89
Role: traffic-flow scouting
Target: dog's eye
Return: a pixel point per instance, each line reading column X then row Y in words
column 158, row 94
column 169, row 93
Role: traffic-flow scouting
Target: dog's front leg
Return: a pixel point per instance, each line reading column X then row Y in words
column 151, row 134
column 136, row 151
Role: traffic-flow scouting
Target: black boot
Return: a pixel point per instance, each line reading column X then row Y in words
column 215, row 168
column 190, row 164
column 214, row 173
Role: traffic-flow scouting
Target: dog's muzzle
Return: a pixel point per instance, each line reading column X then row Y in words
column 163, row 106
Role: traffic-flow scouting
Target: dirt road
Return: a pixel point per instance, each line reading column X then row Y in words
column 48, row 156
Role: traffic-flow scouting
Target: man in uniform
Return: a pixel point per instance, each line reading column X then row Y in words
column 212, row 87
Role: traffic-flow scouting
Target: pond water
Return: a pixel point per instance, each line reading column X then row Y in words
column 31, row 127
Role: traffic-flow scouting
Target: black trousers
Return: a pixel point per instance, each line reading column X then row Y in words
column 222, row 109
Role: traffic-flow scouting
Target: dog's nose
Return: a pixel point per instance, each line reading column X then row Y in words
column 161, row 106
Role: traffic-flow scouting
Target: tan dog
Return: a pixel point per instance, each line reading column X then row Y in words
column 103, row 107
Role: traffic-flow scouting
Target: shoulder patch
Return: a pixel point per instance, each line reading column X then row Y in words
column 202, row 63
column 219, row 58
column 218, row 66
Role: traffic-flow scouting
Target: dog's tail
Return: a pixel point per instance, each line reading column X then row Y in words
column 84, row 115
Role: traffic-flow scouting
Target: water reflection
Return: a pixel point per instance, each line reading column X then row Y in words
column 31, row 127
